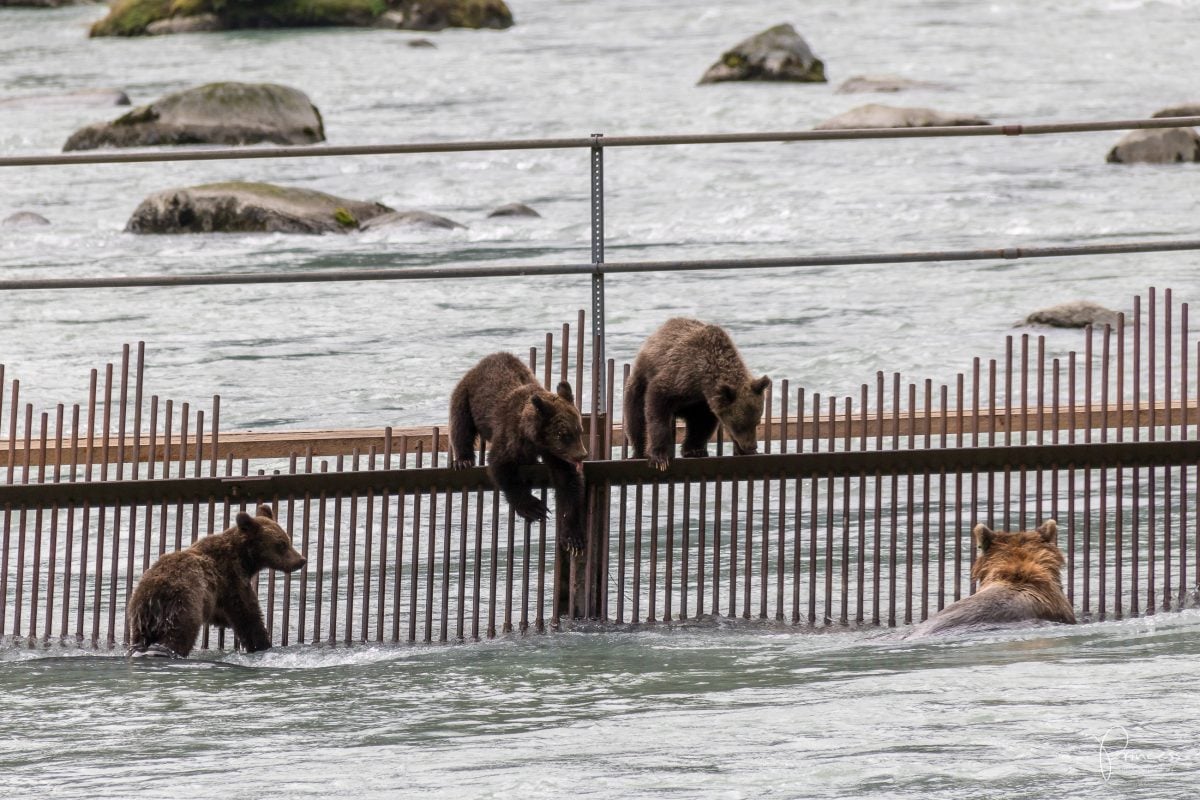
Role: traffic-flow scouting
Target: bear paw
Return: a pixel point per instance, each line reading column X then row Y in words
column 659, row 462
column 531, row 510
column 573, row 542
column 462, row 463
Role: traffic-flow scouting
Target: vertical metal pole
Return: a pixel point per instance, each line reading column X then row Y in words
column 598, row 256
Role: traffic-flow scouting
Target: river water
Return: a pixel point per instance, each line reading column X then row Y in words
column 1101, row 710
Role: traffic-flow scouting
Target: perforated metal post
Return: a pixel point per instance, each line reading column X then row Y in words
column 598, row 257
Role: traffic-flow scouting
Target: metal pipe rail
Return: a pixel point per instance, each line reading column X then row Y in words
column 596, row 268
column 579, row 142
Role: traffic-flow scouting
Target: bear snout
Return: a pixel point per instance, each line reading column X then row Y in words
column 297, row 564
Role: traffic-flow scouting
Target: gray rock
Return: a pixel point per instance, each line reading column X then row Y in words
column 875, row 115
column 237, row 207
column 1182, row 110
column 218, row 113
column 416, row 219
column 420, row 43
column 884, row 83
column 201, row 23
column 1159, row 146
column 23, row 219
column 1077, row 314
column 776, row 54
column 82, row 98
column 514, row 210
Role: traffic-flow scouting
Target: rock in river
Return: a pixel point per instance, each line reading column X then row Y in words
column 217, row 113
column 81, row 98
column 237, row 207
column 513, row 210
column 875, row 115
column 776, row 54
column 415, row 219
column 884, row 83
column 24, row 219
column 1076, row 314
column 1157, row 146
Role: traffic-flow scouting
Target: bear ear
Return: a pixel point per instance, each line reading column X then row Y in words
column 265, row 511
column 984, row 536
column 1048, row 530
column 247, row 524
column 541, row 405
column 760, row 384
column 726, row 394
column 564, row 391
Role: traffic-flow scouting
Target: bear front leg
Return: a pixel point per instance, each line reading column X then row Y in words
column 660, row 429
column 507, row 477
column 462, row 431
column 571, row 500
column 246, row 619
column 635, row 415
column 700, row 423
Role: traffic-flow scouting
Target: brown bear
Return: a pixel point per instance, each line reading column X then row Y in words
column 690, row 369
column 1019, row 577
column 500, row 400
column 209, row 583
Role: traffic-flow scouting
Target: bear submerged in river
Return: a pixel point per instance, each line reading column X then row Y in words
column 1019, row 577
column 210, row 583
column 500, row 400
column 692, row 370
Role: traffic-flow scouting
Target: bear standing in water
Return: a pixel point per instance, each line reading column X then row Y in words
column 692, row 370
column 209, row 583
column 500, row 400
column 1019, row 577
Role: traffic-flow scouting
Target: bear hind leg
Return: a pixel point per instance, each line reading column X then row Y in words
column 462, row 431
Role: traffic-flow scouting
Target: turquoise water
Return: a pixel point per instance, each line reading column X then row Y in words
column 710, row 710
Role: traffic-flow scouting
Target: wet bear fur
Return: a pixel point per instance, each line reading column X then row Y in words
column 210, row 583
column 692, row 370
column 1019, row 575
column 501, row 401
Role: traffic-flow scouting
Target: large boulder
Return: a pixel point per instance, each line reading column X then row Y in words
column 1076, row 314
column 1157, row 146
column 884, row 83
column 875, row 115
column 218, row 113
column 776, row 54
column 238, row 207
column 142, row 17
column 80, row 98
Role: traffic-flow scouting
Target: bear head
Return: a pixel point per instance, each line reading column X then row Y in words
column 265, row 544
column 739, row 408
column 1019, row 557
column 553, row 424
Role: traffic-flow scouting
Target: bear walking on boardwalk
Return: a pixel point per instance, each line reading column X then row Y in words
column 500, row 400
column 209, row 583
column 690, row 369
column 1019, row 577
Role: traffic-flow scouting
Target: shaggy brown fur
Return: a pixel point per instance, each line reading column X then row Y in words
column 692, row 370
column 1019, row 577
column 500, row 400
column 209, row 583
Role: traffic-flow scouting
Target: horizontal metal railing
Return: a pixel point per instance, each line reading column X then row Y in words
column 588, row 142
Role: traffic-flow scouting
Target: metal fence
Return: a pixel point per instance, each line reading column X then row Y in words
column 856, row 512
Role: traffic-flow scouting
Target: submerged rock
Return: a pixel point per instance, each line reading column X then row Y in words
column 776, row 54
column 1077, row 314
column 237, row 207
column 875, row 115
column 1157, row 146
column 884, row 83
column 23, row 219
column 218, row 113
column 143, row 17
column 420, row 43
column 1182, row 110
column 82, row 98
column 416, row 219
column 513, row 210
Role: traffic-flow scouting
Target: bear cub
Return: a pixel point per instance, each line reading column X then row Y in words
column 690, row 369
column 500, row 400
column 209, row 583
column 1019, row 578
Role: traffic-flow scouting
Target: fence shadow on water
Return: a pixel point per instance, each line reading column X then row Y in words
column 857, row 510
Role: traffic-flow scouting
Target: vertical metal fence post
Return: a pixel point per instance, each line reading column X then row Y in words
column 598, row 257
